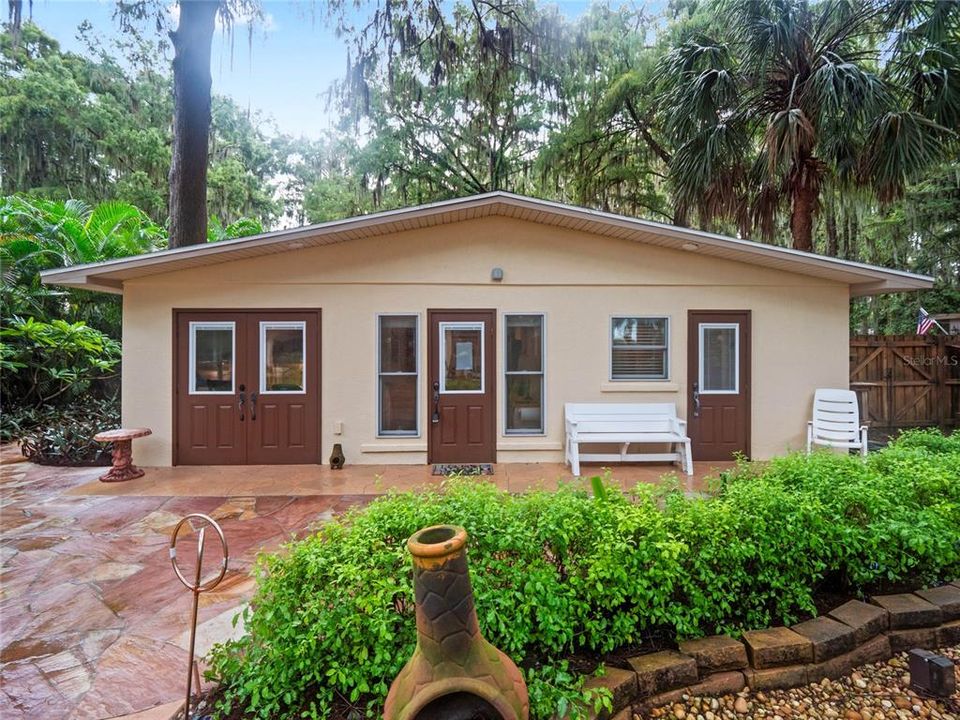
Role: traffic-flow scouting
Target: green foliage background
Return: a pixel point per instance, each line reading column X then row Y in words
column 60, row 349
column 604, row 110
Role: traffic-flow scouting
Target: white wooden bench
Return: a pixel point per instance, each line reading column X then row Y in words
column 626, row 424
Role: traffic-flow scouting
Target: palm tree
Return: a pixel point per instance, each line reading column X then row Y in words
column 798, row 96
column 37, row 234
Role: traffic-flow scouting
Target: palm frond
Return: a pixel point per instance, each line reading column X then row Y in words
column 898, row 145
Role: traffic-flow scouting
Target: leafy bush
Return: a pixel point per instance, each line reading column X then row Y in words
column 44, row 363
column 64, row 436
column 332, row 621
column 37, row 234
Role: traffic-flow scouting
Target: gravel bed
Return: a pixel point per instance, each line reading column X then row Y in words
column 880, row 691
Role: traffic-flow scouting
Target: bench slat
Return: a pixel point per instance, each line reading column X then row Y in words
column 625, row 424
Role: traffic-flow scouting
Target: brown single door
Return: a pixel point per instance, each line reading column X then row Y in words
column 247, row 387
column 462, row 379
column 718, row 378
column 284, row 417
column 210, row 389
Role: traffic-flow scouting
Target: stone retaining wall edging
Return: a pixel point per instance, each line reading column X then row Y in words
column 830, row 646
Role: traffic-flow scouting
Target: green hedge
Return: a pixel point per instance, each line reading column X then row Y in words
column 557, row 573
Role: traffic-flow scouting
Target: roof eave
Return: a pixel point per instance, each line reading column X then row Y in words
column 882, row 287
column 862, row 279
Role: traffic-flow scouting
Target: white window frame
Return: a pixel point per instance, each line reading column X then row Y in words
column 480, row 325
column 668, row 356
column 281, row 325
column 212, row 325
column 736, row 356
column 397, row 433
column 542, row 373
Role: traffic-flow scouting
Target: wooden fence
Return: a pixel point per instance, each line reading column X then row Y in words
column 907, row 380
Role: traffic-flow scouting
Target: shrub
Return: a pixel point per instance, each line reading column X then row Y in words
column 47, row 363
column 558, row 573
column 64, row 436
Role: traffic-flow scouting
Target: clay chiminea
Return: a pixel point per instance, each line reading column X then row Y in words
column 454, row 674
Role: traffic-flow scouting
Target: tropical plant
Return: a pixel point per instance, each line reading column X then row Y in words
column 37, row 234
column 795, row 96
column 217, row 231
column 43, row 361
column 64, row 436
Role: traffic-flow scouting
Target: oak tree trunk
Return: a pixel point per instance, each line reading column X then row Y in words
column 192, row 42
column 801, row 218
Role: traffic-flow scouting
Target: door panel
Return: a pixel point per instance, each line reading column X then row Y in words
column 286, row 426
column 209, row 387
column 247, row 387
column 462, row 382
column 718, row 378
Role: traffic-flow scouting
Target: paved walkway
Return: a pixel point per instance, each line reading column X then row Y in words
column 93, row 622
column 293, row 480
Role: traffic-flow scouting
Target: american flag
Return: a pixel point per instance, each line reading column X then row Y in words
column 924, row 322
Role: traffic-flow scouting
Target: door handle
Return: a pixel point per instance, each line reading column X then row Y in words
column 240, row 400
column 253, row 406
column 435, row 418
column 696, row 400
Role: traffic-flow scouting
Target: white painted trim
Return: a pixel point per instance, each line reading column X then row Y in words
column 532, row 445
column 480, row 325
column 668, row 360
column 419, row 447
column 378, row 374
column 262, row 372
column 736, row 352
column 211, row 325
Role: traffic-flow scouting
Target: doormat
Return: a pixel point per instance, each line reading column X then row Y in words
column 454, row 469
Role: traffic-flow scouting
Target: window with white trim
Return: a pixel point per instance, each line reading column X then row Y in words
column 639, row 348
column 523, row 374
column 719, row 358
column 212, row 357
column 398, row 373
column 283, row 355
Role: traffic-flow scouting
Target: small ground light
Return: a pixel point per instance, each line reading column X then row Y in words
column 931, row 674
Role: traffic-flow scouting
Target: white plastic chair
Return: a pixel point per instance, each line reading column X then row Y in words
column 836, row 421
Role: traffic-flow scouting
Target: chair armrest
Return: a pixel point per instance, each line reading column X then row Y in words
column 680, row 426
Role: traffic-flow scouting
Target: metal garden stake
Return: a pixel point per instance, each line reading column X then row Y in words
column 196, row 587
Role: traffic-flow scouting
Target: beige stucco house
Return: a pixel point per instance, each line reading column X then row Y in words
column 456, row 331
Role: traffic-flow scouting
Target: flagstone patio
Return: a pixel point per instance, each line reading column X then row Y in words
column 297, row 480
column 94, row 623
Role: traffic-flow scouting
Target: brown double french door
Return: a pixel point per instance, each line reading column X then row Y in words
column 462, row 376
column 247, row 387
column 718, row 372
